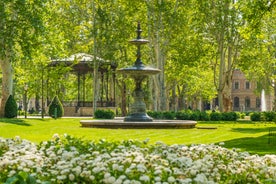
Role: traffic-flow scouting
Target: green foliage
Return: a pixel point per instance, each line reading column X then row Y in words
column 77, row 155
column 229, row 116
column 21, row 178
column 255, row 116
column 183, row 115
column 104, row 114
column 269, row 115
column 204, row 116
column 169, row 115
column 215, row 116
column 162, row 114
column 10, row 108
column 241, row 114
column 56, row 108
column 155, row 114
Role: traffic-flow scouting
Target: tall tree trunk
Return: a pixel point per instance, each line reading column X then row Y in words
column 7, row 83
column 221, row 79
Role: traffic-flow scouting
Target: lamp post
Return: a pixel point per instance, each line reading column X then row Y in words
column 25, row 99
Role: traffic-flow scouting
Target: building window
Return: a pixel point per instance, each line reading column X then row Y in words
column 258, row 102
column 247, row 85
column 247, row 102
column 236, row 102
column 236, row 85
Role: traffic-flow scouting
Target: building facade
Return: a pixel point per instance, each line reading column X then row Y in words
column 245, row 98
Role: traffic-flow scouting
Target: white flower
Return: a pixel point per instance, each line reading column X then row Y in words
column 157, row 172
column 11, row 173
column 200, row 178
column 171, row 179
column 92, row 178
column 157, row 178
column 107, row 175
column 144, row 178
column 56, row 136
column 193, row 172
column 17, row 138
column 62, row 177
column 71, row 177
column 110, row 180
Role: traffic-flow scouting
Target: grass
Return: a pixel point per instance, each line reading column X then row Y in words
column 246, row 135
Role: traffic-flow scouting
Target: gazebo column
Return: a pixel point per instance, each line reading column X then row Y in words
column 83, row 90
column 114, row 88
column 78, row 103
column 102, row 87
column 107, row 87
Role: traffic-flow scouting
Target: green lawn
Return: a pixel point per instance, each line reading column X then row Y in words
column 248, row 136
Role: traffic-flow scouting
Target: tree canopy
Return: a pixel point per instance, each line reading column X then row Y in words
column 196, row 44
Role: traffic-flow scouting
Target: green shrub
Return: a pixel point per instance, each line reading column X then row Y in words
column 255, row 116
column 182, row 115
column 155, row 114
column 169, row 115
column 269, row 116
column 10, row 108
column 215, row 116
column 104, row 114
column 195, row 115
column 241, row 115
column 56, row 108
column 204, row 116
column 229, row 116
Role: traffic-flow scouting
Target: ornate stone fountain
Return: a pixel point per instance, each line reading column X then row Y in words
column 138, row 72
column 138, row 117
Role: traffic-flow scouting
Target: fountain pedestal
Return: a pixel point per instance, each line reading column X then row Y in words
column 138, row 108
column 138, row 72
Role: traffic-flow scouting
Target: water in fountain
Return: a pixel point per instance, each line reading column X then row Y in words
column 263, row 102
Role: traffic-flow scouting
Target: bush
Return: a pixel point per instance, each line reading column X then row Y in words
column 255, row 116
column 195, row 115
column 241, row 115
column 10, row 108
column 155, row 114
column 204, row 116
column 56, row 108
column 269, row 116
column 104, row 114
column 169, row 115
column 215, row 116
column 182, row 115
column 229, row 116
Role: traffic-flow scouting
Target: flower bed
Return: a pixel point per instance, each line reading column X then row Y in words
column 72, row 160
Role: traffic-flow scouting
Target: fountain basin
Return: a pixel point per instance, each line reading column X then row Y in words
column 139, row 70
column 155, row 124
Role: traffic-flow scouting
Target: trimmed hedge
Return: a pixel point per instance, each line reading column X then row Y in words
column 55, row 108
column 10, row 108
column 104, row 114
column 195, row 115
column 263, row 116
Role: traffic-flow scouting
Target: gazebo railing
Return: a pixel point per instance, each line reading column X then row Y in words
column 88, row 104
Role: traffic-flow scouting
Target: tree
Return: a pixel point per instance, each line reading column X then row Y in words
column 258, row 58
column 20, row 24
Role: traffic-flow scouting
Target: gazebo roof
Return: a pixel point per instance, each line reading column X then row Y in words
column 83, row 63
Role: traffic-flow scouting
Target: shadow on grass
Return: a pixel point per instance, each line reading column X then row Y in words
column 250, row 130
column 14, row 121
column 226, row 122
column 253, row 145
